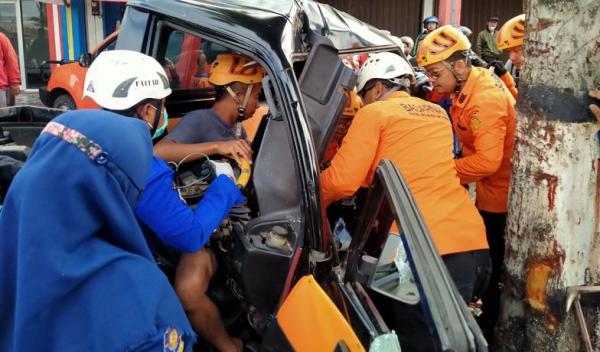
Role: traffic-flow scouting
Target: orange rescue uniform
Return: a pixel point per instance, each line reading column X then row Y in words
column 509, row 82
column 251, row 124
column 483, row 116
column 417, row 137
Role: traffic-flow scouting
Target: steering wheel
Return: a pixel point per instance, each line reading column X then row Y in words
column 193, row 178
column 245, row 172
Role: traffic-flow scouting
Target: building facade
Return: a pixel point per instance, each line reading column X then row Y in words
column 404, row 17
column 54, row 30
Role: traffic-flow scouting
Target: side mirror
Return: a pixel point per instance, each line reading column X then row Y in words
column 85, row 60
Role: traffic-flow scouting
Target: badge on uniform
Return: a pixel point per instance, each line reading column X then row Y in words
column 172, row 341
column 475, row 123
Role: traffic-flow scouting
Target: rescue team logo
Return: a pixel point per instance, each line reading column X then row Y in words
column 147, row 83
column 172, row 341
column 475, row 122
column 425, row 110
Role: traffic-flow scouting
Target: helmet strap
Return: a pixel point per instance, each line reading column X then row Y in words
column 459, row 78
column 241, row 105
column 157, row 114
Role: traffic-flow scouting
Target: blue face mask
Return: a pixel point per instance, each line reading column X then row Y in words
column 159, row 131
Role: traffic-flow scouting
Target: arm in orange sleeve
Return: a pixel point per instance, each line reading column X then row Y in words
column 11, row 62
column 509, row 82
column 487, row 121
column 353, row 160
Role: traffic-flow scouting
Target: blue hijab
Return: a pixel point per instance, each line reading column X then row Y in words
column 76, row 273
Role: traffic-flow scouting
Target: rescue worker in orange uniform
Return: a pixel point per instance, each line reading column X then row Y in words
column 483, row 116
column 510, row 37
column 417, row 137
column 250, row 125
column 354, row 104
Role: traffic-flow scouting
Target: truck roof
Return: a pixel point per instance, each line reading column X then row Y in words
column 275, row 23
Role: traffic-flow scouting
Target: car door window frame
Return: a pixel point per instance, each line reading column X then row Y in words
column 455, row 327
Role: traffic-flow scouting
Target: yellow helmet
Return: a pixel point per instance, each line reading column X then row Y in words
column 440, row 44
column 512, row 33
column 230, row 68
column 353, row 105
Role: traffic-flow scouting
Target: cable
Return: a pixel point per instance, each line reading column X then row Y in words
column 195, row 182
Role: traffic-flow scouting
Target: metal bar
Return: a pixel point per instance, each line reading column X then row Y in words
column 583, row 326
column 21, row 45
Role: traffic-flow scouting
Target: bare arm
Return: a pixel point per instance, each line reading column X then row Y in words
column 169, row 150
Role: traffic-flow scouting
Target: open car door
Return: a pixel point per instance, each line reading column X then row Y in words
column 406, row 266
column 323, row 83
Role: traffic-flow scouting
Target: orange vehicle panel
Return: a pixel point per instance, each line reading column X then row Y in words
column 311, row 321
column 71, row 76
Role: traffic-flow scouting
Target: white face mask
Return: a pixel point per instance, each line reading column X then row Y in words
column 492, row 28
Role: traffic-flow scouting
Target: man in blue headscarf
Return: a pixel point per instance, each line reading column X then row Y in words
column 76, row 273
column 136, row 85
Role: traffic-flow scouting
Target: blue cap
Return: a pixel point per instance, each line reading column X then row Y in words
column 430, row 19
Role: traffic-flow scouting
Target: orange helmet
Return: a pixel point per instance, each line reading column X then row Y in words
column 353, row 105
column 512, row 33
column 440, row 44
column 230, row 68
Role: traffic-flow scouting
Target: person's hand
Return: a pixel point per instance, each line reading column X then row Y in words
column 223, row 168
column 476, row 60
column 15, row 89
column 234, row 149
column 498, row 68
column 593, row 107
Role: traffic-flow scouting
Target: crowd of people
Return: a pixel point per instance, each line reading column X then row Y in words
column 119, row 212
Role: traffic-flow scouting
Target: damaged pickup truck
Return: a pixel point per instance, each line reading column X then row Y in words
column 284, row 233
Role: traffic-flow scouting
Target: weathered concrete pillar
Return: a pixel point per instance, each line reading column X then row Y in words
column 553, row 231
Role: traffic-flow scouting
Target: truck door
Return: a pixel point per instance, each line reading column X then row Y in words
column 323, row 83
column 405, row 266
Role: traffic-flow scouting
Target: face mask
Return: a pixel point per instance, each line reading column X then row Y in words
column 159, row 131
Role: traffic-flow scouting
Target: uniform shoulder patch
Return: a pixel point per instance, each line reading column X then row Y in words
column 474, row 121
column 172, row 341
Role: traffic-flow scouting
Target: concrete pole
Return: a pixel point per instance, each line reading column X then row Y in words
column 450, row 12
column 553, row 231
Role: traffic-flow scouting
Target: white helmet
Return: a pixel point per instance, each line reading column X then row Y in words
column 385, row 65
column 119, row 79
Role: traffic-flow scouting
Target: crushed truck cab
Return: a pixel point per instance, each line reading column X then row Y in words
column 301, row 46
